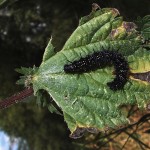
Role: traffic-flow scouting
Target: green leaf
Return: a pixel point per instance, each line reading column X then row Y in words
column 103, row 31
column 53, row 109
column 26, row 79
column 140, row 61
column 85, row 99
column 24, row 70
column 144, row 26
column 49, row 51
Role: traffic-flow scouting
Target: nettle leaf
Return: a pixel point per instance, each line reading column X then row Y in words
column 85, row 99
column 26, row 75
column 144, row 26
column 49, row 51
column 140, row 61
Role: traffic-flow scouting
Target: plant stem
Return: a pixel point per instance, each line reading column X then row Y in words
column 18, row 97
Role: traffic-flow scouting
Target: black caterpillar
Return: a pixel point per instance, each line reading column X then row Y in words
column 99, row 60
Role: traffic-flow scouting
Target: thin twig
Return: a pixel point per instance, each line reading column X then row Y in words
column 130, row 136
column 137, row 140
column 131, row 111
column 125, row 142
column 109, row 139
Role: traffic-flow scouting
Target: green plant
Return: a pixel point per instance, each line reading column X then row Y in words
column 85, row 100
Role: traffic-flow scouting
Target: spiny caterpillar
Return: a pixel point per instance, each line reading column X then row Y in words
column 99, row 60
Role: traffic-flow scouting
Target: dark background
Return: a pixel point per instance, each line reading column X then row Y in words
column 25, row 28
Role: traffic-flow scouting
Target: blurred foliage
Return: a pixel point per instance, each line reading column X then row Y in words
column 37, row 126
column 25, row 29
column 2, row 1
column 144, row 26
